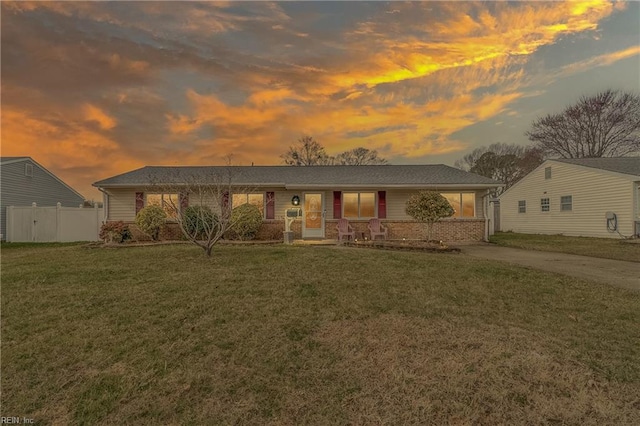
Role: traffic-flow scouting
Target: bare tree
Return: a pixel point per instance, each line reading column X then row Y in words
column 507, row 163
column 604, row 125
column 201, row 203
column 307, row 152
column 360, row 157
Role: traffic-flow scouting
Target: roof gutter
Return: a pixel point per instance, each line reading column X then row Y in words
column 397, row 186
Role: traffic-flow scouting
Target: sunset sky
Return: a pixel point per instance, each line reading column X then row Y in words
column 94, row 89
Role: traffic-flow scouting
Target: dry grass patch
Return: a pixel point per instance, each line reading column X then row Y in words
column 606, row 248
column 309, row 335
column 411, row 370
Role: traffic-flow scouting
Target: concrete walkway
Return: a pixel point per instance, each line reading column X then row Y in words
column 614, row 272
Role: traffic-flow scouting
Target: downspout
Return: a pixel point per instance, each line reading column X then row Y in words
column 105, row 204
column 485, row 208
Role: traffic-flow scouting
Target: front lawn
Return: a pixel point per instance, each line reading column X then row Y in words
column 309, row 335
column 607, row 248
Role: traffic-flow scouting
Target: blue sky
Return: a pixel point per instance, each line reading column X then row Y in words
column 93, row 89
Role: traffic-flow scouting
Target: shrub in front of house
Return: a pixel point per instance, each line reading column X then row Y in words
column 199, row 221
column 428, row 207
column 115, row 232
column 150, row 220
column 246, row 220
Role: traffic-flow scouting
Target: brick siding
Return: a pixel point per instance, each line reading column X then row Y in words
column 445, row 230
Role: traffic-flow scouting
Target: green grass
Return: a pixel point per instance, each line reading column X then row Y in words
column 309, row 335
column 607, row 248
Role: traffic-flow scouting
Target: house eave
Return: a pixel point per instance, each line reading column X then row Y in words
column 395, row 186
column 319, row 186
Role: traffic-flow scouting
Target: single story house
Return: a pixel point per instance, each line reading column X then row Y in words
column 588, row 197
column 324, row 193
column 25, row 182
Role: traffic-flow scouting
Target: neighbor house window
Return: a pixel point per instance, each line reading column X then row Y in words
column 28, row 170
column 522, row 206
column 358, row 205
column 254, row 199
column 544, row 204
column 463, row 203
column 566, row 203
column 547, row 173
column 168, row 202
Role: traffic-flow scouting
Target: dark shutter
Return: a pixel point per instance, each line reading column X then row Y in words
column 337, row 204
column 382, row 204
column 225, row 200
column 184, row 200
column 139, row 201
column 271, row 205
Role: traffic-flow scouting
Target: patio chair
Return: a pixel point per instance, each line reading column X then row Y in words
column 376, row 229
column 345, row 230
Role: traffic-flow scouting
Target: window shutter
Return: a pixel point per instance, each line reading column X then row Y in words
column 183, row 200
column 225, row 200
column 139, row 201
column 337, row 206
column 382, row 204
column 271, row 205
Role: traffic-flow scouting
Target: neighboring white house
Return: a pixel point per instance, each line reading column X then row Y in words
column 589, row 197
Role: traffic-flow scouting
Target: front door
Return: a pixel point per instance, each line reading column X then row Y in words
column 313, row 215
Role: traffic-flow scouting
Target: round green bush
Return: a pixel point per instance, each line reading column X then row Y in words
column 428, row 206
column 150, row 220
column 199, row 220
column 246, row 220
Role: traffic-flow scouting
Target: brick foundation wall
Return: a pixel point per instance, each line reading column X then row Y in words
column 270, row 230
column 445, row 230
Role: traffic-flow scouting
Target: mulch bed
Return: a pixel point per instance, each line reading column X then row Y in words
column 413, row 245
column 128, row 244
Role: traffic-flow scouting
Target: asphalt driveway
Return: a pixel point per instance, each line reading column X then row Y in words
column 614, row 272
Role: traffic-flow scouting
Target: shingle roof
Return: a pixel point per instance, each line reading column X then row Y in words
column 315, row 176
column 626, row 165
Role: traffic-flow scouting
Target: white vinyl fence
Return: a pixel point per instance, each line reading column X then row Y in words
column 53, row 224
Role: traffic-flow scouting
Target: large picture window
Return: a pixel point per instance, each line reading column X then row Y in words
column 255, row 199
column 463, row 203
column 168, row 202
column 359, row 205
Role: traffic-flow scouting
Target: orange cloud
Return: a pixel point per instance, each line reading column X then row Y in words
column 78, row 155
column 93, row 113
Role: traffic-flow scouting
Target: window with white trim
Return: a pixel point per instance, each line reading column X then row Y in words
column 544, row 204
column 566, row 203
column 463, row 203
column 169, row 203
column 256, row 199
column 358, row 205
column 522, row 206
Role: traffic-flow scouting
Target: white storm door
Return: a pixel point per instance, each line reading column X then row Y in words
column 313, row 215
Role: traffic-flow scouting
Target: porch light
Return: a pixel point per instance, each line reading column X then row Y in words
column 295, row 200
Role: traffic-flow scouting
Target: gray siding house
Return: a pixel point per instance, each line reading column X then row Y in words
column 324, row 193
column 585, row 197
column 23, row 181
